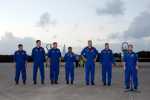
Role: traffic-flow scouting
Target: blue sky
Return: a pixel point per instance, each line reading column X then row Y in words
column 73, row 22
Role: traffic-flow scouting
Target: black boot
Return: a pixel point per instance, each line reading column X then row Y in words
column 52, row 82
column 17, row 82
column 56, row 82
column 67, row 82
column 87, row 83
column 42, row 82
column 34, row 82
column 92, row 83
column 24, row 82
column 104, row 84
column 72, row 82
column 127, row 88
column 109, row 84
column 135, row 88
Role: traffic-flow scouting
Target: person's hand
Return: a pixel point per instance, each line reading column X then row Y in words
column 48, row 62
column 84, row 59
column 94, row 60
column 26, row 64
column 14, row 64
column 113, row 65
column 137, row 67
column 124, row 66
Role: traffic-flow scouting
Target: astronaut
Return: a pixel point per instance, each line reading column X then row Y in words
column 20, row 58
column 69, row 59
column 54, row 56
column 131, row 69
column 89, row 55
column 38, row 55
column 107, row 61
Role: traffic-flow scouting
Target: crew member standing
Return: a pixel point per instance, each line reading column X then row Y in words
column 69, row 59
column 54, row 56
column 20, row 58
column 131, row 69
column 38, row 55
column 89, row 55
column 107, row 61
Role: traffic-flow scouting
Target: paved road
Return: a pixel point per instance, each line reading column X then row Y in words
column 9, row 91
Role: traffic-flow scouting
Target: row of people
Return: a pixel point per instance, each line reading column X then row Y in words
column 89, row 55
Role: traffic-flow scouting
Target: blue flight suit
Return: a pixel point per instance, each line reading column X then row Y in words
column 54, row 54
column 131, row 60
column 69, row 59
column 20, row 58
column 38, row 55
column 106, row 59
column 90, row 54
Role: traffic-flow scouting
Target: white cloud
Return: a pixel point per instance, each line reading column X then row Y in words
column 9, row 42
column 114, row 8
column 140, row 27
column 138, row 32
column 45, row 21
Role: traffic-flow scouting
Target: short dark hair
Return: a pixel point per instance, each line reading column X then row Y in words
column 69, row 48
column 54, row 42
column 130, row 45
column 20, row 45
column 38, row 41
column 106, row 43
column 89, row 40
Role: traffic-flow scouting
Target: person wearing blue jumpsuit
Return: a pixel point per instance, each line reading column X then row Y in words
column 89, row 55
column 20, row 58
column 54, row 56
column 107, row 61
column 131, row 68
column 69, row 59
column 38, row 55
